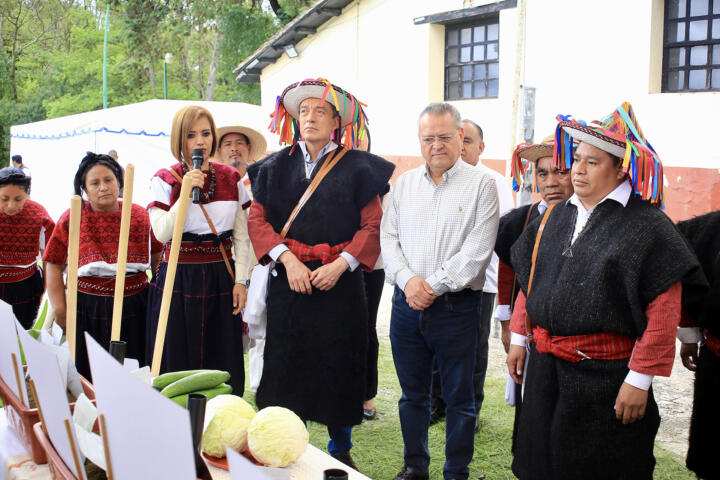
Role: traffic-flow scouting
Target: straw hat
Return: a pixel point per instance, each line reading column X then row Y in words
column 531, row 152
column 258, row 144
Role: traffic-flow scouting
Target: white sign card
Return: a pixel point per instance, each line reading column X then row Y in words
column 243, row 469
column 8, row 346
column 148, row 434
column 52, row 398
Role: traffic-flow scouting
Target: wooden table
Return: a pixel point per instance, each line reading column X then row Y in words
column 16, row 464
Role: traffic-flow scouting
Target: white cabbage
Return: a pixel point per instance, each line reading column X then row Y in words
column 229, row 425
column 277, row 437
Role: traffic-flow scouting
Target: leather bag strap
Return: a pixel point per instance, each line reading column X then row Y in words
column 538, row 237
column 332, row 160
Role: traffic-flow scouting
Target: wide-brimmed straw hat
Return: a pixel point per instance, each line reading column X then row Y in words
column 258, row 144
column 618, row 134
column 531, row 152
column 287, row 108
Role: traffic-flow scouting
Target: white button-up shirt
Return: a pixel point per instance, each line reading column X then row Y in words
column 443, row 233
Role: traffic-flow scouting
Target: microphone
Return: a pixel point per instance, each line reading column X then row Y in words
column 197, row 159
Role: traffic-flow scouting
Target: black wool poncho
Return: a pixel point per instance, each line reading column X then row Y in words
column 624, row 258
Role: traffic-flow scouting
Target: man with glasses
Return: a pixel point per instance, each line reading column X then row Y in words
column 437, row 237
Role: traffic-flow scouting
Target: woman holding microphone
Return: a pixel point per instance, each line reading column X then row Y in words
column 204, row 327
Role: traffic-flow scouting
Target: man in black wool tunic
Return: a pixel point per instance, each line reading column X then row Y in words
column 317, row 322
column 603, row 302
column 554, row 186
column 700, row 351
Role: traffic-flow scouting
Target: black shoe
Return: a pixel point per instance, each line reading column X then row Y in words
column 346, row 459
column 369, row 414
column 411, row 474
column 436, row 415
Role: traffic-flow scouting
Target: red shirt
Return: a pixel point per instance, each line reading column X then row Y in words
column 99, row 238
column 24, row 234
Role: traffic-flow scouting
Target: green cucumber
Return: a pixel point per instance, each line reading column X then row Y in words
column 221, row 389
column 195, row 382
column 166, row 379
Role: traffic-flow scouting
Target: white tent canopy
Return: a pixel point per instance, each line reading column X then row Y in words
column 139, row 132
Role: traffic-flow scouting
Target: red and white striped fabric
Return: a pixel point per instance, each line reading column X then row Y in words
column 230, row 194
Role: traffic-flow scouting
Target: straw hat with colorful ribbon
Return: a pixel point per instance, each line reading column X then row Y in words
column 618, row 134
column 353, row 121
column 531, row 152
column 258, row 144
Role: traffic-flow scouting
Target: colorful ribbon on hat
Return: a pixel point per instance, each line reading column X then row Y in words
column 350, row 136
column 640, row 162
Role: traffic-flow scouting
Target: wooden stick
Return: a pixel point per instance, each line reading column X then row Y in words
column 73, row 448
column 72, row 273
column 19, row 380
column 170, row 275
column 106, row 447
column 40, row 413
column 122, row 253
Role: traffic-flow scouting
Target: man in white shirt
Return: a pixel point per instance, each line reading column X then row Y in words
column 437, row 237
column 473, row 147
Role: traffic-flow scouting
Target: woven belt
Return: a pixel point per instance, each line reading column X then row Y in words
column 105, row 286
column 17, row 274
column 596, row 346
column 200, row 252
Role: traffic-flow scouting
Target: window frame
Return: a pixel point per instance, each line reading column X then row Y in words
column 485, row 21
column 686, row 45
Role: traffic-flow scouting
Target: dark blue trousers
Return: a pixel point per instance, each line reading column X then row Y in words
column 448, row 331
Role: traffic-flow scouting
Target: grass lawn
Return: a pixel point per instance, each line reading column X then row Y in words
column 378, row 449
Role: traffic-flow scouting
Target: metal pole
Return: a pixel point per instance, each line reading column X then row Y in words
column 165, row 78
column 105, row 54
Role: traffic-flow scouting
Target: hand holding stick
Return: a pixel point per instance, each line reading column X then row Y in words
column 184, row 202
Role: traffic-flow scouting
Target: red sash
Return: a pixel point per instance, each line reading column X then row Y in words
column 322, row 251
column 596, row 346
column 713, row 344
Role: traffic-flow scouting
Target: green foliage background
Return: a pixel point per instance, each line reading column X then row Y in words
column 51, row 53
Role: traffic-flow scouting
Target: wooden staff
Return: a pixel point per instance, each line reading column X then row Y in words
column 72, row 273
column 106, row 447
column 73, row 448
column 184, row 201
column 122, row 253
column 19, row 380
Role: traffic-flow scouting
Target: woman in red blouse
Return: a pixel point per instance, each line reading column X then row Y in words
column 99, row 179
column 24, row 226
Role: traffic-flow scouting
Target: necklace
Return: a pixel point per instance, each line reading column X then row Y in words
column 204, row 197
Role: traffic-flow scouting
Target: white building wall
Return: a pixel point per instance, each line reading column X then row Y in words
column 583, row 57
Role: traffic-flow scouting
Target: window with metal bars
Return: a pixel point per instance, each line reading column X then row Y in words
column 472, row 59
column 691, row 47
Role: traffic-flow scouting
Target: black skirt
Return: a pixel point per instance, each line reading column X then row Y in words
column 201, row 332
column 94, row 315
column 315, row 350
column 705, row 421
column 567, row 427
column 24, row 297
